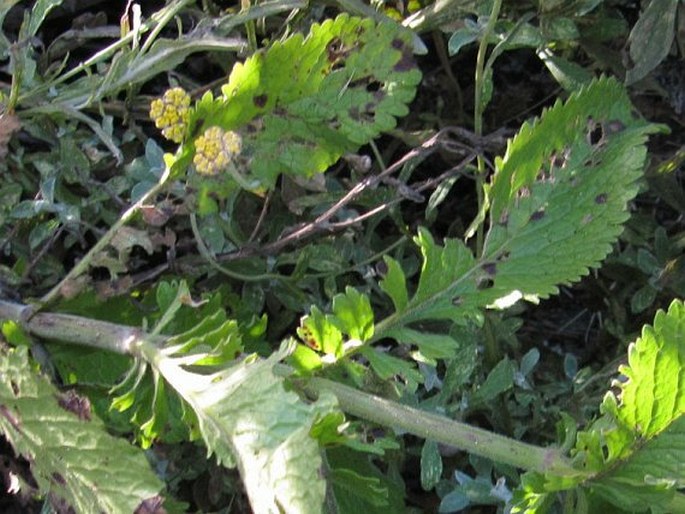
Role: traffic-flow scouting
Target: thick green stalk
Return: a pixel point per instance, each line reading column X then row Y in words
column 130, row 340
column 446, row 431
column 76, row 329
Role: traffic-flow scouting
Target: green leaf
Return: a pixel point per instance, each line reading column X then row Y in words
column 557, row 200
column 432, row 346
column 319, row 332
column 633, row 456
column 395, row 284
column 360, row 487
column 38, row 13
column 387, row 366
column 431, row 465
column 353, row 314
column 651, row 38
column 461, row 38
column 247, row 416
column 310, row 100
column 71, row 454
column 500, row 379
column 204, row 337
column 568, row 74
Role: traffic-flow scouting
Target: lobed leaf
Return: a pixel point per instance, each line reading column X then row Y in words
column 247, row 417
column 71, row 454
column 304, row 102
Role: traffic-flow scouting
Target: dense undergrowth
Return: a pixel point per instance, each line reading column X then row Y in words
column 342, row 257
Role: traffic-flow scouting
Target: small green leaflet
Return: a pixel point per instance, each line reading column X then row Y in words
column 71, row 453
column 304, row 102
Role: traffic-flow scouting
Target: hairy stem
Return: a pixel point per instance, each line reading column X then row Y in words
column 107, row 336
column 128, row 340
column 446, row 431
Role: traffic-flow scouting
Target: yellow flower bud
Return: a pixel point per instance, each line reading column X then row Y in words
column 171, row 113
column 215, row 149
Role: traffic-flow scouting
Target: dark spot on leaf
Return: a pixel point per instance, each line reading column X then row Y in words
column 595, row 132
column 503, row 257
column 15, row 388
column 308, row 338
column 59, row 479
column 10, row 417
column 537, row 215
column 362, row 81
column 601, row 198
column 406, row 62
column 151, row 505
column 457, row 301
column 490, row 268
column 397, row 44
column 485, row 283
column 504, row 218
column 79, row 405
column 373, row 86
column 615, row 126
column 260, row 100
column 381, row 268
column 558, row 160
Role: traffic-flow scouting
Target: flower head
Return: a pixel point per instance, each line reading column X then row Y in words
column 215, row 149
column 171, row 113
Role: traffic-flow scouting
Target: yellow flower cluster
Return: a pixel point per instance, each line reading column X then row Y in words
column 171, row 112
column 215, row 149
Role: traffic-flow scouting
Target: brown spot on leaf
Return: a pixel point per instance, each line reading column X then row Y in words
column 537, row 215
column 615, row 126
column 79, row 405
column 490, row 268
column 9, row 124
column 58, row 479
column 406, row 62
column 260, row 100
column 10, row 417
column 151, row 505
column 485, row 283
column 504, row 218
column 595, row 132
column 601, row 198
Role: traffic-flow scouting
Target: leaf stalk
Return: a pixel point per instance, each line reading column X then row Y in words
column 443, row 430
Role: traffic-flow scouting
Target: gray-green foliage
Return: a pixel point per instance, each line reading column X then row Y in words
column 72, row 456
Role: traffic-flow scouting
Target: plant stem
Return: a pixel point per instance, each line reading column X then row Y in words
column 446, row 431
column 128, row 340
column 82, row 266
column 479, row 108
column 107, row 336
